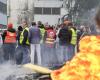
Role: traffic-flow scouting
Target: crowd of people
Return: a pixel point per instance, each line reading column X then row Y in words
column 86, row 63
column 41, row 44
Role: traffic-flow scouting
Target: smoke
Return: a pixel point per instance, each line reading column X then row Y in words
column 9, row 71
column 6, row 70
column 88, row 19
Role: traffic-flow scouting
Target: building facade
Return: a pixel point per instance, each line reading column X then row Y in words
column 19, row 10
column 47, row 11
column 3, row 15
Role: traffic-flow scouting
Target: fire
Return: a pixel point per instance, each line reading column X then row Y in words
column 85, row 65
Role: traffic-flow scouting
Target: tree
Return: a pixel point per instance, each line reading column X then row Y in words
column 80, row 6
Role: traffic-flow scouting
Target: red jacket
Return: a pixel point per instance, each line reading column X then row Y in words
column 50, row 37
column 10, row 37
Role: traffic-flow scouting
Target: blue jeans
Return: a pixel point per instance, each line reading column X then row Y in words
column 19, row 55
column 25, row 50
column 9, row 51
column 59, row 54
column 63, row 54
column 42, row 53
column 71, row 51
column 49, row 57
column 1, row 55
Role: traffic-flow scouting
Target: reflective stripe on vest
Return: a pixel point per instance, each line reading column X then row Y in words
column 10, row 37
column 74, row 37
column 22, row 37
column 50, row 41
column 42, row 32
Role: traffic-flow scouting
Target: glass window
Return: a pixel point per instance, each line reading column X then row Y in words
column 46, row 10
column 3, row 8
column 56, row 11
column 38, row 10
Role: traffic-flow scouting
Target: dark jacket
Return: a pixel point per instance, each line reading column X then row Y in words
column 20, row 29
column 5, row 33
column 64, row 36
column 18, row 36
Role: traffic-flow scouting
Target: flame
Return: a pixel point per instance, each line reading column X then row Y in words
column 85, row 65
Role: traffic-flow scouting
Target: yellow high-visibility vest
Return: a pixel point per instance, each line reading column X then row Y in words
column 42, row 30
column 74, row 37
column 22, row 37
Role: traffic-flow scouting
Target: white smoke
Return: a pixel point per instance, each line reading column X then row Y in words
column 10, row 71
column 6, row 70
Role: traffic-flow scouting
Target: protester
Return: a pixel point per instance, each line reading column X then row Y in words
column 19, row 54
column 20, row 29
column 50, row 37
column 24, row 43
column 42, row 30
column 60, row 56
column 57, row 32
column 35, row 38
column 64, row 41
column 86, row 64
column 73, row 42
column 9, row 40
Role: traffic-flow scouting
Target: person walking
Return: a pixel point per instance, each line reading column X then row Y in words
column 35, row 38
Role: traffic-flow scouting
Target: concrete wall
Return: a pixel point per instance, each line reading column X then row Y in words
column 51, row 19
column 48, row 3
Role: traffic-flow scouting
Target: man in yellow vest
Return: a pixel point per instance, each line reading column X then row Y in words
column 73, row 41
column 86, row 64
column 42, row 31
column 24, row 42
